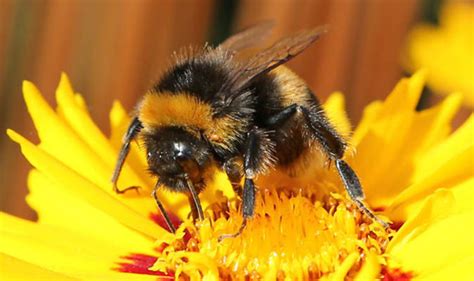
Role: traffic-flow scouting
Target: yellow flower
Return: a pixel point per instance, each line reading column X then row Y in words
column 447, row 50
column 414, row 171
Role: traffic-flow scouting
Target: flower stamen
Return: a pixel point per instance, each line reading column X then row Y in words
column 289, row 236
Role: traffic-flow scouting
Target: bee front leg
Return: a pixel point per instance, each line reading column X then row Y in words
column 162, row 209
column 195, row 203
column 132, row 131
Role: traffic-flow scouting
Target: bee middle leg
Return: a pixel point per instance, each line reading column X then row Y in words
column 251, row 166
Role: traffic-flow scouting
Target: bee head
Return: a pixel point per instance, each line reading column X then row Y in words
column 175, row 155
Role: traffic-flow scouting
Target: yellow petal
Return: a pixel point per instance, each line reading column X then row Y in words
column 59, row 140
column 464, row 194
column 65, row 144
column 445, row 165
column 459, row 142
column 62, row 134
column 64, row 209
column 440, row 231
column 450, row 42
column 336, row 112
column 438, row 206
column 122, row 276
column 16, row 269
column 86, row 190
column 405, row 96
column 371, row 113
column 13, row 269
column 395, row 142
column 370, row 269
column 459, row 270
column 59, row 250
column 453, row 239
column 384, row 144
column 118, row 120
column 435, row 123
column 78, row 119
column 379, row 139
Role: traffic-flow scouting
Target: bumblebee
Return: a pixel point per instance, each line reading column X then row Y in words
column 212, row 111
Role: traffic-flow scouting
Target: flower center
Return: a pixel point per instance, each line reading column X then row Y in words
column 290, row 236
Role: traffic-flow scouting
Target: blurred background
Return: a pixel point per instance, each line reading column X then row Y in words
column 116, row 49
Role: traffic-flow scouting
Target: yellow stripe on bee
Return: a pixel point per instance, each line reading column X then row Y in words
column 184, row 110
column 292, row 88
column 166, row 109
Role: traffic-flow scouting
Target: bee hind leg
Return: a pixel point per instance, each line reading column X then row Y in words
column 333, row 145
column 354, row 189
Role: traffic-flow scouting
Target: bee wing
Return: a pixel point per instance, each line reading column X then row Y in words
column 248, row 37
column 279, row 53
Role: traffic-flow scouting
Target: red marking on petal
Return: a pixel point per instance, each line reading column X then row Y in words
column 160, row 220
column 396, row 225
column 140, row 264
column 379, row 209
column 395, row 275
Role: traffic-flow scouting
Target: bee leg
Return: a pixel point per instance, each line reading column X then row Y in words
column 317, row 124
column 162, row 209
column 232, row 169
column 282, row 116
column 332, row 144
column 132, row 131
column 196, row 207
column 250, row 167
column 248, row 207
column 354, row 189
column 335, row 147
